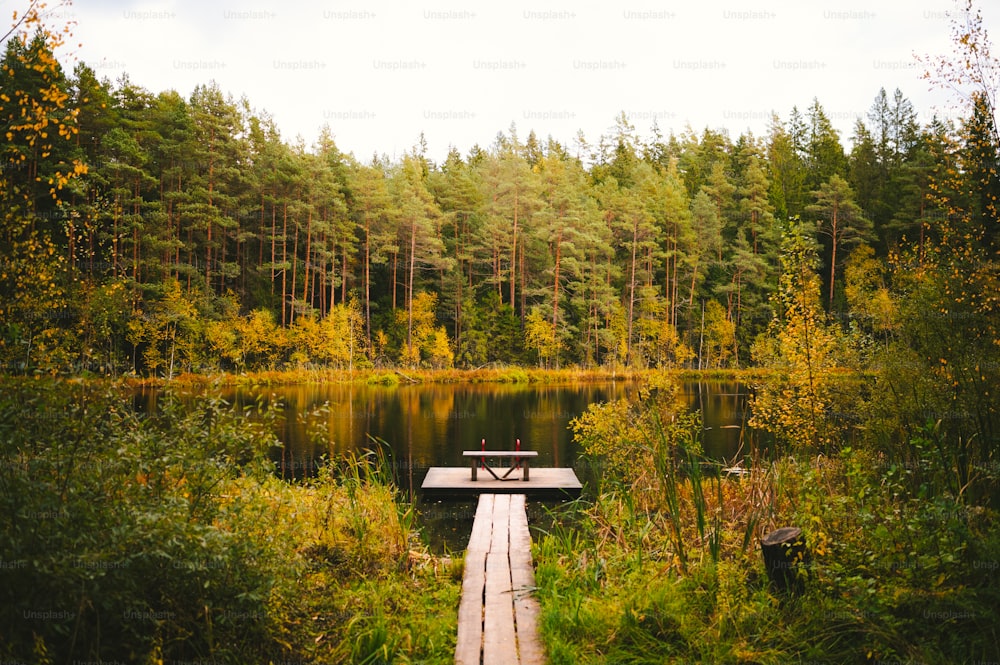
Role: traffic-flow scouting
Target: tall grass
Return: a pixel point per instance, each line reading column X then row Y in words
column 167, row 536
column 665, row 566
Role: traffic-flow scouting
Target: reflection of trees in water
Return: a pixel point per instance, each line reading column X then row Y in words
column 430, row 424
column 724, row 409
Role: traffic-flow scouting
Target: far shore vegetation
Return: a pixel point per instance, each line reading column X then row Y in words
column 400, row 376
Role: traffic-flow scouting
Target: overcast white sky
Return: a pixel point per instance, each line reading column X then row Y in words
column 379, row 73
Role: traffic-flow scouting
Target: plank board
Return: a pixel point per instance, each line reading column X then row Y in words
column 522, row 574
column 457, row 481
column 497, row 621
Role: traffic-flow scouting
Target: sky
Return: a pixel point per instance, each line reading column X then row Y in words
column 380, row 73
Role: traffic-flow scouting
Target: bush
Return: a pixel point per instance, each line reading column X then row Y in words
column 165, row 536
column 653, row 568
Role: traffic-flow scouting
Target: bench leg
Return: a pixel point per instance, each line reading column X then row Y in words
column 525, row 463
column 475, row 467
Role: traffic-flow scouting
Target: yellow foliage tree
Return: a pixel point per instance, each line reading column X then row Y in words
column 799, row 401
column 540, row 335
column 167, row 331
column 720, row 336
column 338, row 339
column 429, row 343
column 37, row 125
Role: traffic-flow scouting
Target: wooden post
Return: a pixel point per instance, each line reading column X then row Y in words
column 784, row 551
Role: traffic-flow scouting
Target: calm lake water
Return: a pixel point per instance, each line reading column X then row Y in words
column 428, row 425
column 431, row 424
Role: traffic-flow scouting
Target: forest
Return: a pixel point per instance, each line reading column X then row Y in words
column 145, row 233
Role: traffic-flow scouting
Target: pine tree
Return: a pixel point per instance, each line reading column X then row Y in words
column 564, row 224
column 785, row 162
column 457, row 190
column 371, row 212
column 841, row 220
column 824, row 154
column 417, row 228
column 215, row 185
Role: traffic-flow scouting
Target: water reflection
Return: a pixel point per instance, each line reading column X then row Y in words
column 431, row 424
column 427, row 425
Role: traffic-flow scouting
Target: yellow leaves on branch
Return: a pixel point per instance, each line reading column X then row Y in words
column 32, row 20
column 41, row 116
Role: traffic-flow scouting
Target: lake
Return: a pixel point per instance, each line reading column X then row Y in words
column 428, row 425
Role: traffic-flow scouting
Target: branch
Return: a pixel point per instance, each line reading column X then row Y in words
column 32, row 10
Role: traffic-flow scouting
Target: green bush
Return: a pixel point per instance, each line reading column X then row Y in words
column 165, row 536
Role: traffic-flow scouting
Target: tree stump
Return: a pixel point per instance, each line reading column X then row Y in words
column 784, row 552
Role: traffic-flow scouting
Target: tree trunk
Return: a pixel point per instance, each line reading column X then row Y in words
column 631, row 294
column 368, row 284
column 784, row 552
column 305, row 281
column 409, row 288
column 513, row 257
column 295, row 273
column 833, row 253
column 274, row 238
column 284, row 268
column 555, row 293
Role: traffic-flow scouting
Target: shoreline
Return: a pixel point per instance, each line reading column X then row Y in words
column 392, row 377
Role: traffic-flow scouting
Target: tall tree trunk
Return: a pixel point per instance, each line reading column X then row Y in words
column 524, row 286
column 409, row 287
column 211, row 192
column 513, row 255
column 457, row 331
column 343, row 274
column 295, row 270
column 368, row 283
column 555, row 292
column 324, row 274
column 136, row 209
column 305, row 281
column 694, row 279
column 260, row 236
column 631, row 291
column 833, row 255
column 395, row 283
column 284, row 266
column 675, row 296
column 274, row 239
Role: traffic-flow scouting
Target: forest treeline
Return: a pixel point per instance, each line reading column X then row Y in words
column 151, row 233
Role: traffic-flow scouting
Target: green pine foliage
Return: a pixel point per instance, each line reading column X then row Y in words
column 161, row 228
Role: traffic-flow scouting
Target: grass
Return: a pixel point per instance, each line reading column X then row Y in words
column 661, row 564
column 167, row 538
column 892, row 578
column 392, row 377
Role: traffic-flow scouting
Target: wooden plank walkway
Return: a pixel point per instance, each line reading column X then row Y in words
column 457, row 481
column 498, row 616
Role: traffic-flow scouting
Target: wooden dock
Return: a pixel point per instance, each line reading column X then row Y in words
column 498, row 616
column 457, row 482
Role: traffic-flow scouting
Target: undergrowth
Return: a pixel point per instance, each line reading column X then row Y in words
column 662, row 564
column 166, row 537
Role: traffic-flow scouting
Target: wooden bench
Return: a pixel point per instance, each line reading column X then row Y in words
column 520, row 461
